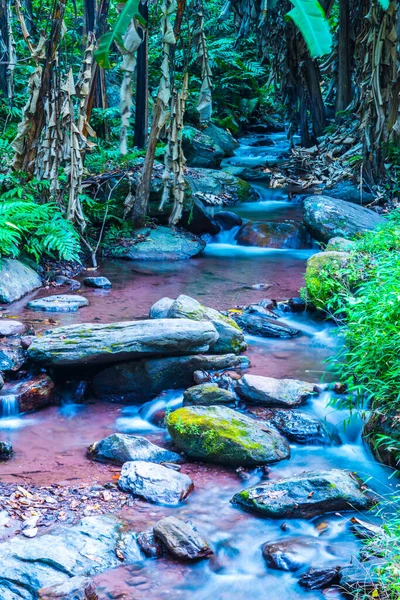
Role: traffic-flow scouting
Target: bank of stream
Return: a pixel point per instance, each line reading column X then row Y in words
column 50, row 445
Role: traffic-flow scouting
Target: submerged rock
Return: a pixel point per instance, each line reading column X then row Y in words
column 97, row 282
column 222, row 435
column 59, row 303
column 181, row 539
column 291, row 554
column 272, row 235
column 200, row 150
column 162, row 243
column 231, row 338
column 143, row 380
column 264, row 326
column 317, row 579
column 9, row 327
column 154, row 482
column 6, row 450
column 327, row 217
column 52, row 559
column 17, row 280
column 76, row 588
column 119, row 448
column 207, row 394
column 306, row 495
column 116, row 342
column 270, row 392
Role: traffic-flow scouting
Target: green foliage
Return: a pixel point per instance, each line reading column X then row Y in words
column 309, row 17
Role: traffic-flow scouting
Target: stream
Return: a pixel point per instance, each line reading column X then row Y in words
column 51, row 445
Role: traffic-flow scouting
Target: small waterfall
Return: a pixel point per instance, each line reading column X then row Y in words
column 9, row 406
column 140, row 419
column 226, row 236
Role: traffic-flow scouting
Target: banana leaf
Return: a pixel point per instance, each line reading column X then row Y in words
column 309, row 17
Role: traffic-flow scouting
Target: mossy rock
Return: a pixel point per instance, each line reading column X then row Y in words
column 224, row 436
column 339, row 244
column 323, row 277
column 207, row 394
column 387, row 425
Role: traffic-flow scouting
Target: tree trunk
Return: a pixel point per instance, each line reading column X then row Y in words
column 317, row 107
column 141, row 112
column 4, row 57
column 343, row 97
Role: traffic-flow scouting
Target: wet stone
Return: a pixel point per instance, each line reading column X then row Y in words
column 150, row 545
column 119, row 448
column 6, row 450
column 270, row 392
column 208, row 394
column 264, row 326
column 316, row 579
column 12, row 357
column 154, row 483
column 58, row 303
column 97, row 282
column 291, row 554
column 76, row 588
column 9, row 327
column 181, row 539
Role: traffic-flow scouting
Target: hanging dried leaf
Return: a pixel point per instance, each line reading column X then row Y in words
column 204, row 104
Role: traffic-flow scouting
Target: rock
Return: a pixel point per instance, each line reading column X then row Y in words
column 272, row 235
column 339, row 244
column 298, row 427
column 270, row 392
column 222, row 435
column 143, row 380
column 119, row 448
column 26, row 341
column 379, row 425
column 361, row 577
column 269, row 126
column 149, row 545
column 222, row 138
column 6, row 450
column 292, row 554
column 316, row 579
column 83, row 549
column 366, row 530
column 161, row 309
column 264, row 326
column 17, row 280
column 207, row 394
column 326, row 217
column 76, row 588
column 116, row 342
column 9, row 327
column 247, row 174
column 318, row 264
column 163, row 243
column 227, row 220
column 38, row 392
column 1, row 381
column 231, row 338
column 181, row 539
column 12, row 357
column 97, row 282
column 198, row 221
column 306, row 495
column 297, row 305
column 217, row 188
column 349, row 192
column 200, row 150
column 59, row 303
column 154, row 483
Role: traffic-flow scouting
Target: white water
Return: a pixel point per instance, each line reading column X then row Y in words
column 139, row 419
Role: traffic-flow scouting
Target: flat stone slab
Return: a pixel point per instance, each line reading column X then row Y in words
column 154, row 483
column 97, row 282
column 270, row 392
column 16, row 280
column 119, row 448
column 59, row 303
column 116, row 342
column 164, row 243
column 306, row 495
column 9, row 327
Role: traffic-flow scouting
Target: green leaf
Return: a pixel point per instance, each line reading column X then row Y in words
column 384, row 3
column 117, row 33
column 309, row 17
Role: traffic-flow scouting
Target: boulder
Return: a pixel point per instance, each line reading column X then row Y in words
column 247, row 174
column 270, row 392
column 9, row 327
column 231, row 338
column 154, row 483
column 12, row 357
column 6, row 450
column 181, row 539
column 339, row 244
column 116, row 342
column 119, row 448
column 142, row 380
column 200, row 150
column 298, row 427
column 84, row 549
column 386, row 425
column 270, row 125
column 207, row 394
column 349, row 192
column 292, row 554
column 326, row 217
column 222, row 435
column 306, row 495
column 217, row 188
column 59, row 303
column 222, row 138
column 198, row 221
column 97, row 282
column 227, row 220
column 286, row 234
column 162, row 243
column 317, row 579
column 76, row 588
column 36, row 393
column 16, row 280
column 264, row 325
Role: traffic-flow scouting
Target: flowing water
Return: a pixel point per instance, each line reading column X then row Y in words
column 52, row 447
